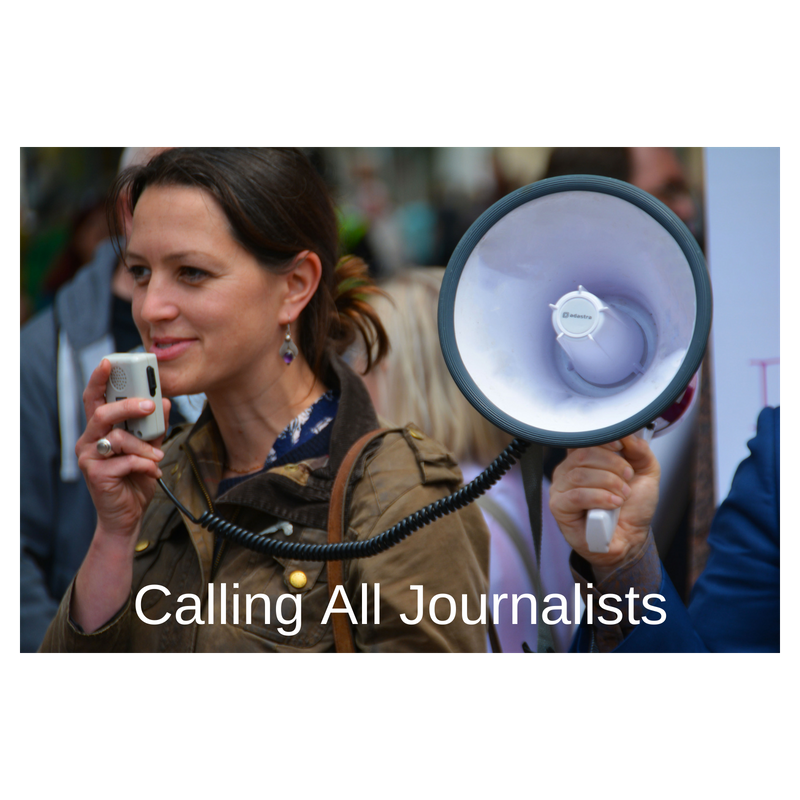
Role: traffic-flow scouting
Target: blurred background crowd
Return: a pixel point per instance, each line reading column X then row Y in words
column 400, row 206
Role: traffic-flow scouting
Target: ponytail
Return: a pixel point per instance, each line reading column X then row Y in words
column 354, row 314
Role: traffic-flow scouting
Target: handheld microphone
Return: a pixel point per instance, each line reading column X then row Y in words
column 136, row 375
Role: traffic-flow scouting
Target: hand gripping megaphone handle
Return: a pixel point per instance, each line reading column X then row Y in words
column 600, row 522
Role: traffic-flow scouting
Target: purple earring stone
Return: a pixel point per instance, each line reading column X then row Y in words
column 288, row 349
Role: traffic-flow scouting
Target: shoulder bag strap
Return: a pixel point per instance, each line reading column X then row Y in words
column 337, row 524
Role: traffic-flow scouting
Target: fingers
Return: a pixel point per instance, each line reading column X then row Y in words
column 99, row 470
column 127, row 451
column 95, row 391
column 107, row 415
column 638, row 454
column 129, row 455
column 123, row 443
column 579, row 463
column 593, row 477
column 102, row 416
column 634, row 451
column 623, row 473
column 572, row 505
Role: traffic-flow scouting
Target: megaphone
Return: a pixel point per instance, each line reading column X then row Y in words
column 576, row 311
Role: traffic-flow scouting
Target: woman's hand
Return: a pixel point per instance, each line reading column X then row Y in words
column 624, row 475
column 122, row 483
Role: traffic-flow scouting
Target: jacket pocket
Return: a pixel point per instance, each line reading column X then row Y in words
column 280, row 600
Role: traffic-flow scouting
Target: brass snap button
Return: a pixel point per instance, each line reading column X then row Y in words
column 298, row 579
column 142, row 545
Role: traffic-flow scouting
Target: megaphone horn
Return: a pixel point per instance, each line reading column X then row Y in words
column 575, row 311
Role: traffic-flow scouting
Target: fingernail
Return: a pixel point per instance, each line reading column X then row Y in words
column 147, row 405
column 628, row 473
column 158, row 453
column 616, row 500
column 616, row 445
column 626, row 490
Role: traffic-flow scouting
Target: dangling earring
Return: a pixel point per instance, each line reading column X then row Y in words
column 288, row 349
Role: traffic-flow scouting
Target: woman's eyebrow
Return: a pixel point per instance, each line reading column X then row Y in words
column 179, row 256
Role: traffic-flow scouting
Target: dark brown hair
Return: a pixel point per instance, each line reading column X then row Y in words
column 277, row 205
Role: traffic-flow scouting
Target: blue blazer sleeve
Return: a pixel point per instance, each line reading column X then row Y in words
column 735, row 605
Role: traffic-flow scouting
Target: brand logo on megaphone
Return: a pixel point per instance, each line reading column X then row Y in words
column 567, row 315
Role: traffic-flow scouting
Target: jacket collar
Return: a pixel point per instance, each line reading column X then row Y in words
column 303, row 498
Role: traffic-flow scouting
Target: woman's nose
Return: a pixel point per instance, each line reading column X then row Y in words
column 158, row 302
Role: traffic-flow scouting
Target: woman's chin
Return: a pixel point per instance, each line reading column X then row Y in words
column 176, row 386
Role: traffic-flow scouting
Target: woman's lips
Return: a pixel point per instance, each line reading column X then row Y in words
column 168, row 349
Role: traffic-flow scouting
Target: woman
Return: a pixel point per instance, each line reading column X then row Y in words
column 238, row 293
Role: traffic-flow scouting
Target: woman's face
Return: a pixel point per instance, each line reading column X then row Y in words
column 202, row 303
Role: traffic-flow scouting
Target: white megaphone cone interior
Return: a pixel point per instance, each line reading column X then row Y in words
column 575, row 311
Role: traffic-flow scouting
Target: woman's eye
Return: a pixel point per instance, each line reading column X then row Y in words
column 193, row 274
column 138, row 273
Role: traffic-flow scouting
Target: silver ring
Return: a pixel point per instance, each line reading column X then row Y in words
column 104, row 447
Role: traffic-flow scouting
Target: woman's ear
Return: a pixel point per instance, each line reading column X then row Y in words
column 301, row 283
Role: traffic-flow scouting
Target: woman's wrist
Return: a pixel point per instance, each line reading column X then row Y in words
column 103, row 583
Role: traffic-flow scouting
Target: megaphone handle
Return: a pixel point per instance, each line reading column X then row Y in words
column 600, row 527
column 600, row 522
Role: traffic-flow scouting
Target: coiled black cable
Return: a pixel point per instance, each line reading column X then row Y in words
column 301, row 551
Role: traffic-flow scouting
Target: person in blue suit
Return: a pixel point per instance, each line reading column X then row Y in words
column 735, row 604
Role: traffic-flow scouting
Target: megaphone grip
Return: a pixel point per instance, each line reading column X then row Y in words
column 600, row 526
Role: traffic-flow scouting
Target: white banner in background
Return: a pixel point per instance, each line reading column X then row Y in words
column 743, row 248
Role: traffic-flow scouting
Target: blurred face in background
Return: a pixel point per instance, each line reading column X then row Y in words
column 658, row 171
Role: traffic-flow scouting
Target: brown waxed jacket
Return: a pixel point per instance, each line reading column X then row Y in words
column 241, row 601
